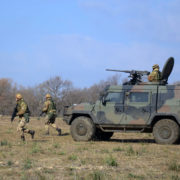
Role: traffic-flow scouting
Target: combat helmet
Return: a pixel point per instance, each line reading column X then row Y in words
column 48, row 96
column 155, row 66
column 18, row 96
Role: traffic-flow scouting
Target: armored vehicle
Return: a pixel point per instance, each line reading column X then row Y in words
column 132, row 107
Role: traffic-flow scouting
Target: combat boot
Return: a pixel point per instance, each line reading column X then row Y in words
column 59, row 131
column 32, row 132
column 22, row 138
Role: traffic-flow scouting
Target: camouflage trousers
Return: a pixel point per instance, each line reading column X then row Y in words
column 50, row 122
column 22, row 126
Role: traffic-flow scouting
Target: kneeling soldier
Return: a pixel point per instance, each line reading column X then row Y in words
column 23, row 112
column 50, row 109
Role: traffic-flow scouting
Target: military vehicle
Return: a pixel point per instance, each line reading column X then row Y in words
column 135, row 106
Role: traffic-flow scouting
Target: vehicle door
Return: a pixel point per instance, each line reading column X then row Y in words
column 111, row 110
column 137, row 107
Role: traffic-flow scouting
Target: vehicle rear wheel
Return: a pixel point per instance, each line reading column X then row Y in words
column 166, row 131
column 82, row 129
column 101, row 135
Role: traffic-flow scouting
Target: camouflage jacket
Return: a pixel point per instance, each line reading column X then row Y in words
column 49, row 106
column 155, row 76
column 22, row 108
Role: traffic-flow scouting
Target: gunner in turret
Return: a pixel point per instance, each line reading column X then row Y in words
column 155, row 75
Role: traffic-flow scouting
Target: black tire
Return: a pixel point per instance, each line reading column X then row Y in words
column 166, row 131
column 101, row 135
column 82, row 129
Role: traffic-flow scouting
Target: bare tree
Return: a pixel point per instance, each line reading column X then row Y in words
column 57, row 87
column 91, row 94
column 61, row 90
column 7, row 90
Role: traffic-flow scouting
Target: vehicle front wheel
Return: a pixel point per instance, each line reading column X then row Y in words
column 82, row 129
column 166, row 131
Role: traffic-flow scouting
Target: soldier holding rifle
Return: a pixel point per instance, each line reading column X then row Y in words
column 23, row 112
column 49, row 109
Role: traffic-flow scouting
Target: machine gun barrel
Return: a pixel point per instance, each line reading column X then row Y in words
column 126, row 71
column 131, row 72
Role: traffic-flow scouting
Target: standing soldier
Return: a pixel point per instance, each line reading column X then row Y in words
column 155, row 75
column 50, row 109
column 23, row 112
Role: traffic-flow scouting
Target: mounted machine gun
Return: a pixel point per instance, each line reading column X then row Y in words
column 135, row 76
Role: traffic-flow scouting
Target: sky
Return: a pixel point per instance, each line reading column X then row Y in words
column 79, row 39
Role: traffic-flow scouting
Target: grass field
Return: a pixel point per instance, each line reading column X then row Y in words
column 126, row 156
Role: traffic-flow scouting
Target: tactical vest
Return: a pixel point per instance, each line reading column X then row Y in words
column 155, row 76
column 158, row 75
column 27, row 112
column 51, row 107
column 19, row 106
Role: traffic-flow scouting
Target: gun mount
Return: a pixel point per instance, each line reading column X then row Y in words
column 135, row 76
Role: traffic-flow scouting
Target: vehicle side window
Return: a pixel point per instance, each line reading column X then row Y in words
column 138, row 97
column 116, row 97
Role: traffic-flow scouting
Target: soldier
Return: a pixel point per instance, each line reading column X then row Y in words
column 23, row 112
column 50, row 109
column 155, row 75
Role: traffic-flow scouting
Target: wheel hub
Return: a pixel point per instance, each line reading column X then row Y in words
column 165, row 132
column 81, row 129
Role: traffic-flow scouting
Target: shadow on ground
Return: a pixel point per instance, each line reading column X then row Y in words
column 65, row 134
column 40, row 140
column 50, row 135
column 132, row 140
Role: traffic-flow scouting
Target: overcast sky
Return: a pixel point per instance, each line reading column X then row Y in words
column 79, row 39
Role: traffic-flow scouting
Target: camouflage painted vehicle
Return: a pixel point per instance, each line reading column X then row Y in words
column 143, row 107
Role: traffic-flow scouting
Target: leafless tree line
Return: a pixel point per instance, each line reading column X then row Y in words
column 62, row 91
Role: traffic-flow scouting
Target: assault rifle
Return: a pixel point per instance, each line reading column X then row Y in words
column 135, row 75
column 14, row 113
column 41, row 113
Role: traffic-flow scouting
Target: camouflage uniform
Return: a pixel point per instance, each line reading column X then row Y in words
column 23, row 113
column 50, row 109
column 155, row 75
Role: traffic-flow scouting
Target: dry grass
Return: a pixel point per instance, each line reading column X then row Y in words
column 125, row 156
